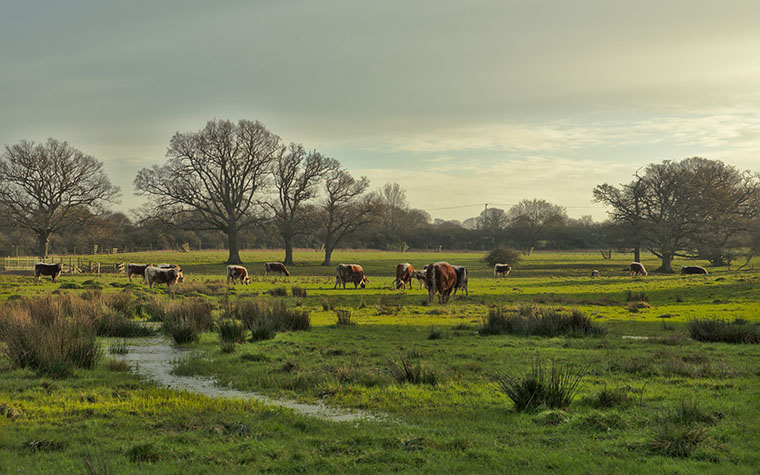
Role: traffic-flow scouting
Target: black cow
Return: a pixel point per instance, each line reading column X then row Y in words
column 53, row 270
column 693, row 270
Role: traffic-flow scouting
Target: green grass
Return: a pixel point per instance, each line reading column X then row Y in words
column 443, row 411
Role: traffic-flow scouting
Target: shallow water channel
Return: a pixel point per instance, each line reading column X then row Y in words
column 154, row 358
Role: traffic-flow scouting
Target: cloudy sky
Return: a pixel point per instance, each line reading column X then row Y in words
column 462, row 103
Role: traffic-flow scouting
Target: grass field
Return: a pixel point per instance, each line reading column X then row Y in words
column 651, row 399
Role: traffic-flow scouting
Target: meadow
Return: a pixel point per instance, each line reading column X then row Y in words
column 649, row 397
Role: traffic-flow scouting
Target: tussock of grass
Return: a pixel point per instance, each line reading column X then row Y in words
column 404, row 370
column 186, row 319
column 533, row 320
column 344, row 317
column 230, row 331
column 265, row 318
column 115, row 324
column 278, row 292
column 716, row 330
column 298, row 292
column 554, row 388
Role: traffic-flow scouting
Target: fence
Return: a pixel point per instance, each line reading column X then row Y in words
column 69, row 265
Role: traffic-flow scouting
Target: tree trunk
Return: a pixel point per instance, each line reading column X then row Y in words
column 233, row 246
column 43, row 244
column 328, row 255
column 288, row 252
column 667, row 263
column 637, row 253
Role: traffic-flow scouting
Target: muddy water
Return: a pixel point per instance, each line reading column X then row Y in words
column 154, row 358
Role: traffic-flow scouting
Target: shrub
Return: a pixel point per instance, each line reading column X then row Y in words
column 298, row 292
column 532, row 320
column 715, row 330
column 502, row 255
column 344, row 316
column 554, row 389
column 404, row 370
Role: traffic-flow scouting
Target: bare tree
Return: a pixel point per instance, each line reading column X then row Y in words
column 627, row 209
column 392, row 210
column 213, row 174
column 296, row 176
column 530, row 218
column 345, row 208
column 43, row 186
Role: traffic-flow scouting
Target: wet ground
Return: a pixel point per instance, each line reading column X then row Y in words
column 154, row 358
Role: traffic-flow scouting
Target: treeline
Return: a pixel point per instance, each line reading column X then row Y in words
column 237, row 185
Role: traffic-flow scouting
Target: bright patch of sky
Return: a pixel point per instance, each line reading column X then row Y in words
column 462, row 103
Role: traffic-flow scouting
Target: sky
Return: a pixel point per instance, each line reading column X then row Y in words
column 461, row 103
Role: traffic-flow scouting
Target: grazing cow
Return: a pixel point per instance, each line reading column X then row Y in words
column 502, row 269
column 137, row 269
column 53, row 270
column 693, row 270
column 421, row 275
column 275, row 267
column 596, row 273
column 637, row 268
column 404, row 273
column 238, row 273
column 441, row 278
column 350, row 273
column 461, row 280
column 168, row 276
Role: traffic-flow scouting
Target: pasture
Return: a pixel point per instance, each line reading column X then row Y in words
column 650, row 398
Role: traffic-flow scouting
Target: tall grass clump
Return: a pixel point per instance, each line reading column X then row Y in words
column 716, row 330
column 681, row 429
column 298, row 292
column 115, row 324
column 264, row 318
column 186, row 319
column 404, row 370
column 532, row 320
column 52, row 335
column 345, row 317
column 554, row 388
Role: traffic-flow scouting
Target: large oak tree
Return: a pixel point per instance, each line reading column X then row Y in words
column 212, row 178
column 48, row 187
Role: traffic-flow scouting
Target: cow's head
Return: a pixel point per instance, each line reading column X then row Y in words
column 247, row 280
column 179, row 274
column 363, row 282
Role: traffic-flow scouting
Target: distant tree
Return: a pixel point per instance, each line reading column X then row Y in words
column 213, row 177
column 345, row 209
column 392, row 209
column 530, row 218
column 684, row 205
column 297, row 174
column 502, row 255
column 43, row 186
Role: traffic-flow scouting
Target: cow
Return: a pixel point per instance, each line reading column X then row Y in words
column 404, row 274
column 137, row 269
column 596, row 273
column 238, row 273
column 168, row 276
column 441, row 278
column 275, row 267
column 693, row 270
column 503, row 269
column 637, row 268
column 53, row 270
column 350, row 273
column 421, row 275
column 461, row 280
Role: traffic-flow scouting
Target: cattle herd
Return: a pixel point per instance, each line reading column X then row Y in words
column 439, row 278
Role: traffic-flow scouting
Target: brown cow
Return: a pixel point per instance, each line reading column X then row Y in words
column 169, row 276
column 502, row 269
column 53, row 270
column 637, row 268
column 404, row 273
column 275, row 267
column 596, row 273
column 238, row 273
column 137, row 269
column 350, row 273
column 441, row 278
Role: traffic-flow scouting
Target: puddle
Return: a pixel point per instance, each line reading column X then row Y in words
column 632, row 337
column 154, row 358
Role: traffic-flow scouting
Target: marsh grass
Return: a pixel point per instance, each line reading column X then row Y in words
column 408, row 370
column 298, row 292
column 278, row 292
column 717, row 330
column 554, row 388
column 186, row 319
column 230, row 331
column 116, row 324
column 344, row 317
column 533, row 320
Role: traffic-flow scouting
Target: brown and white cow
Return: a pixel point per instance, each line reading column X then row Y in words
column 238, row 273
column 404, row 274
column 637, row 268
column 168, row 276
column 461, row 280
column 53, row 270
column 441, row 278
column 421, row 276
column 275, row 267
column 596, row 273
column 693, row 270
column 350, row 273
column 503, row 269
column 137, row 269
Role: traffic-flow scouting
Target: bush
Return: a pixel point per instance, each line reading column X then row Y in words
column 715, row 330
column 502, row 255
column 538, row 388
column 532, row 320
